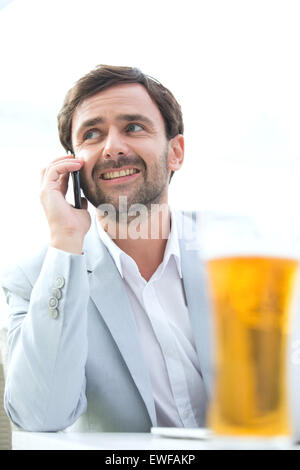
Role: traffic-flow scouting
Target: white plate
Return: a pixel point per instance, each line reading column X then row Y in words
column 183, row 433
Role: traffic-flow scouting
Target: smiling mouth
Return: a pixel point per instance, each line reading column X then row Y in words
column 110, row 175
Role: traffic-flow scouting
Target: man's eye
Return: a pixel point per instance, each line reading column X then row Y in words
column 134, row 127
column 92, row 134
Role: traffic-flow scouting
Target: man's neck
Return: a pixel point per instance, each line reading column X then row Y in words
column 143, row 238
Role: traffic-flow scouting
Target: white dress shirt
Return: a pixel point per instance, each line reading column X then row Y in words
column 166, row 338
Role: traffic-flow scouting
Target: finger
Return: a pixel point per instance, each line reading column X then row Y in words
column 62, row 168
column 56, row 160
column 64, row 157
column 64, row 183
column 43, row 174
column 59, row 164
column 84, row 203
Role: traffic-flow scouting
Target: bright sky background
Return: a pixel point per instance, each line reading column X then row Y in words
column 233, row 66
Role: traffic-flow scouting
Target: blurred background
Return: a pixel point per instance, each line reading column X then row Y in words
column 233, row 65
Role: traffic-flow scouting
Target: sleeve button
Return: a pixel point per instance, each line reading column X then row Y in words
column 56, row 293
column 59, row 282
column 53, row 312
column 53, row 302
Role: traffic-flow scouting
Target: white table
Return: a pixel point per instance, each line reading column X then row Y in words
column 22, row 440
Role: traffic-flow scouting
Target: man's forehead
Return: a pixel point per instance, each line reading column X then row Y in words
column 125, row 93
column 126, row 97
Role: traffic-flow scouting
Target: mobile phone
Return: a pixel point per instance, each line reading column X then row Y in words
column 76, row 188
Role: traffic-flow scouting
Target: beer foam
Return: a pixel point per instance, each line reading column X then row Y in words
column 222, row 235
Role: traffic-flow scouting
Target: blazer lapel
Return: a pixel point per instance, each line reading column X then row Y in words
column 109, row 295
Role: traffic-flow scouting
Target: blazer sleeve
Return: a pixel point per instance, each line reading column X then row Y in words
column 47, row 342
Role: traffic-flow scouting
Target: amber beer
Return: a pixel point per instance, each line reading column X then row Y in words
column 251, row 299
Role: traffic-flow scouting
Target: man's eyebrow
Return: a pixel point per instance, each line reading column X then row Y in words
column 89, row 123
column 135, row 117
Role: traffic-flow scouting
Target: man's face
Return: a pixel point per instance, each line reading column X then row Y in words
column 120, row 134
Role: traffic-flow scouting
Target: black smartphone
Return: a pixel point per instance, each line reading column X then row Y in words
column 76, row 187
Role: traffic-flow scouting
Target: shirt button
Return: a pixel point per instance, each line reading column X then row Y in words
column 53, row 302
column 53, row 312
column 56, row 293
column 59, row 282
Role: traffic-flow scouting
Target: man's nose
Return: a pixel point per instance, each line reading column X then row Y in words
column 114, row 145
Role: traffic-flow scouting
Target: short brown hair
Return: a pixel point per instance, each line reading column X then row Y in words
column 105, row 76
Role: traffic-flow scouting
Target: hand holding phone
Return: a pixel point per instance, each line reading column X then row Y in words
column 68, row 226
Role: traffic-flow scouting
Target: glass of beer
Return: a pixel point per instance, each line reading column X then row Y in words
column 252, row 276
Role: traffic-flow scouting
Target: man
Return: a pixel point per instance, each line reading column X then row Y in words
column 109, row 327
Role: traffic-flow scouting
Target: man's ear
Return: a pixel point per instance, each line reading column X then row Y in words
column 176, row 152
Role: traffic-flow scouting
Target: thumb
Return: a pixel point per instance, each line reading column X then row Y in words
column 84, row 203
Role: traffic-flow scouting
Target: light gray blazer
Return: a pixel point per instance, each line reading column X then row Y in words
column 85, row 366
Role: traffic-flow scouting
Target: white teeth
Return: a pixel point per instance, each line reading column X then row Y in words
column 117, row 174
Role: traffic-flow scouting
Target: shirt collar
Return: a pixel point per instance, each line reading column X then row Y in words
column 172, row 246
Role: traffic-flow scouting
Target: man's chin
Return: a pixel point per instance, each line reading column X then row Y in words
column 121, row 203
